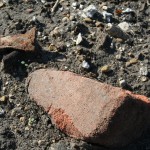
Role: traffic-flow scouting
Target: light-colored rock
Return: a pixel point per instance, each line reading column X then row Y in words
column 79, row 39
column 124, row 26
column 85, row 64
column 89, row 11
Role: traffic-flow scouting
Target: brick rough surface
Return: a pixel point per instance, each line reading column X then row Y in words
column 90, row 110
column 23, row 42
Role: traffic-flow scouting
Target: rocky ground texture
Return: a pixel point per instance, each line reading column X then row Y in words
column 73, row 39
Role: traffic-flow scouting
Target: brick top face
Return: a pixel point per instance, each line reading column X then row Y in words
column 87, row 109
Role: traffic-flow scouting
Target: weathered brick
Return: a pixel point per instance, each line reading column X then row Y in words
column 89, row 110
column 24, row 42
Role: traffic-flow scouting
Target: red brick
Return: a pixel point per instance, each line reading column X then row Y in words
column 24, row 42
column 89, row 110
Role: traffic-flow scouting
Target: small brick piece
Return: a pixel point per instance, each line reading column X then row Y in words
column 90, row 110
column 24, row 42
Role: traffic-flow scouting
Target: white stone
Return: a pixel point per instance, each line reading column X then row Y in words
column 127, row 10
column 122, row 82
column 85, row 65
column 81, row 6
column 118, row 56
column 34, row 18
column 79, row 39
column 74, row 4
column 143, row 79
column 104, row 7
column 109, row 25
column 124, row 26
column 106, row 14
column 43, row 1
column 45, row 37
column 1, row 4
column 143, row 71
column 39, row 33
column 65, row 19
column 61, row 9
column 89, row 11
column 1, row 111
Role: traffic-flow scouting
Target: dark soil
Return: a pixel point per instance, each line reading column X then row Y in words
column 23, row 124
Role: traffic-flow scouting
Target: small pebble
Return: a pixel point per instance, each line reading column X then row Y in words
column 11, row 96
column 35, row 142
column 34, row 18
column 1, row 4
column 55, row 32
column 98, row 24
column 45, row 38
column 53, row 141
column 61, row 9
column 81, row 6
column 89, row 12
column 104, row 7
column 143, row 79
column 64, row 68
column 41, row 142
column 65, row 19
column 26, row 65
column 143, row 71
column 43, row 1
column 85, row 64
column 105, row 14
column 52, row 47
column 4, row 89
column 27, row 128
column 118, row 40
column 6, row 83
column 124, row 26
column 88, row 20
column 74, row 4
column 127, row 10
column 79, row 39
column 29, row 10
column 72, row 17
column 132, row 61
column 122, row 82
column 116, row 32
column 2, row 112
column 118, row 56
column 31, row 121
column 22, row 119
column 105, row 69
column 18, row 104
column 130, row 54
column 39, row 33
column 3, row 99
column 22, row 62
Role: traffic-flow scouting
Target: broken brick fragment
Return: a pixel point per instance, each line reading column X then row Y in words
column 90, row 110
column 22, row 42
